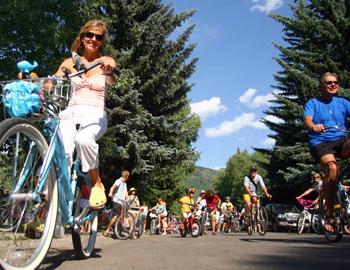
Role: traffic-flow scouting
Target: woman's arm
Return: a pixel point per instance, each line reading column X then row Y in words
column 108, row 68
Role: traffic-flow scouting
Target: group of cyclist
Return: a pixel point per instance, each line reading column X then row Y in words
column 325, row 118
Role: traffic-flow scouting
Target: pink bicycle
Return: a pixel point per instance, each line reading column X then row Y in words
column 309, row 217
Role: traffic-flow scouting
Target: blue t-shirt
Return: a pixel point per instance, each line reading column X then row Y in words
column 329, row 113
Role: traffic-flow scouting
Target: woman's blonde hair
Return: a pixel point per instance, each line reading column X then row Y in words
column 78, row 46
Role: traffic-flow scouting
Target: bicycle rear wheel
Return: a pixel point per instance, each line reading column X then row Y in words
column 124, row 227
column 28, row 217
column 84, row 230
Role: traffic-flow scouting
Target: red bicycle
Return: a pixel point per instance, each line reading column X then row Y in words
column 191, row 226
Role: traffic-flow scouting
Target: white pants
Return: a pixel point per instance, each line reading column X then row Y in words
column 93, row 124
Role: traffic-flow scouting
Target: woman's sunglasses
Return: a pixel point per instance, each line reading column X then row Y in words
column 331, row 82
column 91, row 35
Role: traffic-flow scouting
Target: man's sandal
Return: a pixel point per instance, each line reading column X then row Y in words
column 97, row 198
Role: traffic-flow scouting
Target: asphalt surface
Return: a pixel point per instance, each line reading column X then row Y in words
column 221, row 252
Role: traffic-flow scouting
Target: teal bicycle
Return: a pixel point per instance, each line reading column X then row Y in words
column 36, row 187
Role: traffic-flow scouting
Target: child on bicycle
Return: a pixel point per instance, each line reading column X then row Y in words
column 187, row 204
column 162, row 213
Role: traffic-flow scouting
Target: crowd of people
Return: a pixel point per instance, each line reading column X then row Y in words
column 218, row 211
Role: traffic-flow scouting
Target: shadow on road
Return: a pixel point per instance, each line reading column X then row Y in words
column 56, row 257
column 304, row 253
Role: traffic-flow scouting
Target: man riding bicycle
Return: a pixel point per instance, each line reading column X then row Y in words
column 252, row 181
column 325, row 117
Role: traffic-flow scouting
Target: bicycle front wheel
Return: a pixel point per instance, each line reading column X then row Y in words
column 301, row 223
column 28, row 217
column 195, row 228
column 124, row 227
column 84, row 230
column 262, row 220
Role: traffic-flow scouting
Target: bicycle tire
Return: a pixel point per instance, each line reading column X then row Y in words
column 153, row 226
column 262, row 220
column 139, row 227
column 183, row 229
column 203, row 222
column 195, row 228
column 315, row 223
column 26, row 245
column 123, row 229
column 301, row 223
column 84, row 234
column 331, row 237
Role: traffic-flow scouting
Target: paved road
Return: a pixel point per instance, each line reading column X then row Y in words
column 220, row 252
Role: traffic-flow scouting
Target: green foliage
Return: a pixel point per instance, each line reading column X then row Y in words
column 201, row 179
column 318, row 41
column 36, row 30
column 229, row 181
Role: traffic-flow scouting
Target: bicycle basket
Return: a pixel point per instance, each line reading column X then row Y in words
column 21, row 98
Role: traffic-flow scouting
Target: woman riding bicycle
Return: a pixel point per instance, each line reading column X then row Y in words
column 84, row 121
column 316, row 186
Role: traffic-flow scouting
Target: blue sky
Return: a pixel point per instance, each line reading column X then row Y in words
column 234, row 76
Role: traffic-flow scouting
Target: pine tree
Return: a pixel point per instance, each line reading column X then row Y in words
column 317, row 37
column 151, row 127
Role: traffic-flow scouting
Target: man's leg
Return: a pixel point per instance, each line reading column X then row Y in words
column 329, row 164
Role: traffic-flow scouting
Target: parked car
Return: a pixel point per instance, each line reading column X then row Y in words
column 282, row 216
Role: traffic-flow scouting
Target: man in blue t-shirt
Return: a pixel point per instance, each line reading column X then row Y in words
column 325, row 119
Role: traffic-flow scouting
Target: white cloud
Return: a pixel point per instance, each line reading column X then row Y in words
column 207, row 108
column 250, row 99
column 266, row 5
column 268, row 142
column 273, row 119
column 229, row 127
column 218, row 167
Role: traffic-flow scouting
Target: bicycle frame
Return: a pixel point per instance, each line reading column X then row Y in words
column 55, row 156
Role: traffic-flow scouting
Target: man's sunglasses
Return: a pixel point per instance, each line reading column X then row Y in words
column 91, row 35
column 331, row 82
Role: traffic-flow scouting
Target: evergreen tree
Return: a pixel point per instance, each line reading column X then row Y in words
column 317, row 37
column 151, row 127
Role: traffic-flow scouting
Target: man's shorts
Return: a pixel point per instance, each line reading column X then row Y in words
column 186, row 215
column 322, row 149
column 246, row 197
column 117, row 208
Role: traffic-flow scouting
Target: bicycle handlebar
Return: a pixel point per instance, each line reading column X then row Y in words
column 84, row 70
